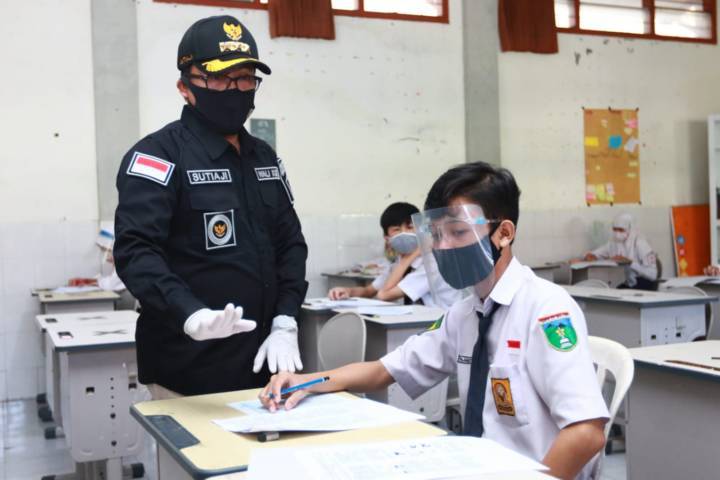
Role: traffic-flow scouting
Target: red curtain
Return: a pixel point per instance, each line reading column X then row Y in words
column 301, row 18
column 527, row 26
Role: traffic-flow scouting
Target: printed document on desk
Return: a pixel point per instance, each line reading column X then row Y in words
column 82, row 289
column 316, row 413
column 389, row 310
column 327, row 304
column 594, row 263
column 419, row 459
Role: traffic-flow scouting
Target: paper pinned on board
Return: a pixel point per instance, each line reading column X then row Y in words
column 316, row 413
column 416, row 459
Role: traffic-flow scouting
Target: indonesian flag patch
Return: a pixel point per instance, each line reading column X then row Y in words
column 151, row 168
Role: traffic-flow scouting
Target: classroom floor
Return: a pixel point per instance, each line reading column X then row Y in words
column 25, row 454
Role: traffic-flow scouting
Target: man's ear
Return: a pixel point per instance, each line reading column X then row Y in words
column 505, row 233
column 183, row 89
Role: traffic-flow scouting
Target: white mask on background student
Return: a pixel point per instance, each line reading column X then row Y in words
column 404, row 243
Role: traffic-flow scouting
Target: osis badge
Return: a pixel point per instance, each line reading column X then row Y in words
column 503, row 396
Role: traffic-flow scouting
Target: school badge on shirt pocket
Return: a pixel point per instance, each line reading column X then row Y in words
column 219, row 229
column 503, row 396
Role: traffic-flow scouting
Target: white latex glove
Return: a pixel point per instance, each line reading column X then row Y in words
column 206, row 324
column 280, row 347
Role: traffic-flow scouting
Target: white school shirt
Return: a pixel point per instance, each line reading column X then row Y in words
column 641, row 255
column 550, row 378
column 417, row 286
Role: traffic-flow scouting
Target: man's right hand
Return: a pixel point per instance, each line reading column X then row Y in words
column 206, row 324
column 277, row 383
column 339, row 293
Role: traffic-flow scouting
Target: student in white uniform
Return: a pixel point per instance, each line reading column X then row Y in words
column 405, row 277
column 629, row 246
column 518, row 344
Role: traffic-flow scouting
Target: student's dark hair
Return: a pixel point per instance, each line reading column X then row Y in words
column 397, row 214
column 493, row 188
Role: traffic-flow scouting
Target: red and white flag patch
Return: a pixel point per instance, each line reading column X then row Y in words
column 152, row 168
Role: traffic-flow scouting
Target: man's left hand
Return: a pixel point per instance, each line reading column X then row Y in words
column 280, row 348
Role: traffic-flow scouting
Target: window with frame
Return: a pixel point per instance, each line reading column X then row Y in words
column 683, row 20
column 419, row 10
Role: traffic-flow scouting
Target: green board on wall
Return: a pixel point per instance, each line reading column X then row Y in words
column 264, row 129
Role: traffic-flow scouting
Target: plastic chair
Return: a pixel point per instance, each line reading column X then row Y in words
column 610, row 356
column 342, row 341
column 690, row 290
column 593, row 282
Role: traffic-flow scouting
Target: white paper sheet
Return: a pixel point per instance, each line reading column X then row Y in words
column 327, row 304
column 594, row 263
column 382, row 311
column 83, row 289
column 316, row 413
column 419, row 459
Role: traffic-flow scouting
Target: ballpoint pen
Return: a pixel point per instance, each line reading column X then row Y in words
column 300, row 386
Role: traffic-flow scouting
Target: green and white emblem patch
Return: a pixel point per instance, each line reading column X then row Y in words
column 559, row 331
column 435, row 324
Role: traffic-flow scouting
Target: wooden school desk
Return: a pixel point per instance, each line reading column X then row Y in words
column 711, row 286
column 673, row 412
column 98, row 383
column 190, row 446
column 77, row 302
column 546, row 270
column 637, row 318
column 52, row 411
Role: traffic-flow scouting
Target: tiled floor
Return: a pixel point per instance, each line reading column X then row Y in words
column 26, row 455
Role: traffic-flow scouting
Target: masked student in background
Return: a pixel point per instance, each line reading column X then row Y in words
column 405, row 278
column 627, row 246
column 518, row 343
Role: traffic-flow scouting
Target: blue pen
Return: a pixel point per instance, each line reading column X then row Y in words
column 300, row 386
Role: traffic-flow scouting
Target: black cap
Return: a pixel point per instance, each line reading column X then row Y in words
column 216, row 44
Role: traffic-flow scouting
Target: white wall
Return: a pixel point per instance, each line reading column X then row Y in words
column 48, row 195
column 675, row 86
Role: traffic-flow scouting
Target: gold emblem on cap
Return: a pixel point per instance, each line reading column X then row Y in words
column 234, row 32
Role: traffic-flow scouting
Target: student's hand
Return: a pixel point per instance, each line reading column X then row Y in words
column 277, row 383
column 712, row 270
column 339, row 293
column 589, row 257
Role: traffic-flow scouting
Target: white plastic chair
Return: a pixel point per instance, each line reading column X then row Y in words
column 611, row 356
column 691, row 290
column 342, row 341
column 593, row 282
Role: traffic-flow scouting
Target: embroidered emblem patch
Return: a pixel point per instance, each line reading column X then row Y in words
column 151, row 168
column 201, row 177
column 559, row 331
column 464, row 359
column 503, row 396
column 219, row 229
column 267, row 173
column 436, row 324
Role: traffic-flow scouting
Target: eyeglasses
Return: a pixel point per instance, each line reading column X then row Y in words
column 244, row 83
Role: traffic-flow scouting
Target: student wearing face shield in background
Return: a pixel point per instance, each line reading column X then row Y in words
column 629, row 247
column 518, row 343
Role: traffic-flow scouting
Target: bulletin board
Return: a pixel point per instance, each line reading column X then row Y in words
column 691, row 238
column 612, row 156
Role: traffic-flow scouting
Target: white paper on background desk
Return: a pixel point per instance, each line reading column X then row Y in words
column 326, row 303
column 594, row 263
column 316, row 413
column 382, row 311
column 417, row 459
column 83, row 289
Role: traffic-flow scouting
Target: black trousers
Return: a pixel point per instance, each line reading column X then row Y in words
column 642, row 284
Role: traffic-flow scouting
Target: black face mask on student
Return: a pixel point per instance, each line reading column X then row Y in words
column 223, row 111
column 467, row 266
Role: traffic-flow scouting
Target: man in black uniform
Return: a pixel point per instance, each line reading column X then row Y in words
column 206, row 232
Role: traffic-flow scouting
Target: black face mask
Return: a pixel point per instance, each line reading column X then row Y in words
column 467, row 266
column 226, row 111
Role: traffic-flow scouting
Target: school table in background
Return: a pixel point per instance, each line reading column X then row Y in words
column 50, row 409
column 348, row 278
column 637, row 318
column 546, row 270
column 52, row 302
column 609, row 271
column 673, row 413
column 98, row 384
column 191, row 446
column 711, row 286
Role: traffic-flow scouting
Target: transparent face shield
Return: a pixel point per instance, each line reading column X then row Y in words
column 456, row 248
